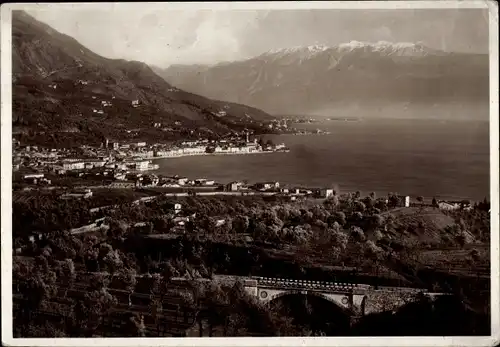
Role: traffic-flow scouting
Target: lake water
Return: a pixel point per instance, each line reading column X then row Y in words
column 446, row 159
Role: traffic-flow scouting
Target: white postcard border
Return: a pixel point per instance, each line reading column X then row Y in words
column 6, row 183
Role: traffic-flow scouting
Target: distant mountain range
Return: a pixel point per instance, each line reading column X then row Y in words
column 61, row 86
column 306, row 79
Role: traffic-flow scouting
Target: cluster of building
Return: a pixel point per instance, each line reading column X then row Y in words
column 284, row 125
column 454, row 205
column 36, row 178
column 227, row 146
column 138, row 156
column 274, row 187
column 130, row 180
column 188, row 148
column 279, row 124
column 106, row 103
column 33, row 163
column 78, row 194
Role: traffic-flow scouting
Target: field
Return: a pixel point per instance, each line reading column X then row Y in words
column 459, row 261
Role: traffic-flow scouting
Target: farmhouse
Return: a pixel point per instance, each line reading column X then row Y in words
column 267, row 185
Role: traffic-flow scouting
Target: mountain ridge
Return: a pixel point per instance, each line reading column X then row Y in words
column 59, row 84
column 303, row 79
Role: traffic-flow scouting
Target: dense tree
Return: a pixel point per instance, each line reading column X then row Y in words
column 117, row 228
column 356, row 218
column 67, row 274
column 135, row 326
column 375, row 221
column 378, row 235
column 369, row 202
column 357, row 234
column 337, row 217
column 309, row 233
column 241, row 224
column 394, row 200
column 99, row 303
column 128, row 278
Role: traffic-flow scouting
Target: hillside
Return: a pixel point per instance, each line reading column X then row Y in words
column 60, row 86
column 308, row 79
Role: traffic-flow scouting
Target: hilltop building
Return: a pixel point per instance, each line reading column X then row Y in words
column 267, row 185
column 234, row 186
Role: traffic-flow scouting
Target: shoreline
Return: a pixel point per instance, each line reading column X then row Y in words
column 210, row 154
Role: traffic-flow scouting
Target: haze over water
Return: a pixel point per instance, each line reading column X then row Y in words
column 447, row 159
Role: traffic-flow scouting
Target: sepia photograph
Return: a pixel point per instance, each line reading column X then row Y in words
column 234, row 170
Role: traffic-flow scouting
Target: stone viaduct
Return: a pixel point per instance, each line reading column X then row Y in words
column 354, row 299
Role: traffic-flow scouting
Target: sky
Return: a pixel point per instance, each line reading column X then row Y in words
column 163, row 37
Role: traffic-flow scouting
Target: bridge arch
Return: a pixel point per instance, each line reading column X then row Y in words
column 321, row 313
column 344, row 300
column 362, row 307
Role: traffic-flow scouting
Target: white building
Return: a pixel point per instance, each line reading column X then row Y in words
column 177, row 208
column 189, row 143
column 98, row 163
column 174, row 152
column 128, row 184
column 84, row 194
column 220, row 222
column 73, row 165
column 146, row 154
column 406, row 201
column 142, row 165
column 182, row 181
column 443, row 205
column 170, row 185
column 234, row 186
column 194, row 150
column 267, row 185
column 120, row 176
column 325, row 193
column 33, row 175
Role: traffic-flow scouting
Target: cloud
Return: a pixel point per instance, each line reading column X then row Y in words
column 163, row 37
column 383, row 33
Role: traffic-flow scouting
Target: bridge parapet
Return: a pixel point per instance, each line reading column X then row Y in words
column 319, row 285
column 402, row 289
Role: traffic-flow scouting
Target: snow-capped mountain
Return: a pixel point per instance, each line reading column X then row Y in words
column 407, row 49
column 382, row 47
column 299, row 52
column 307, row 78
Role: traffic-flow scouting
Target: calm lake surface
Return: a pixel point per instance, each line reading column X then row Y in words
column 446, row 159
